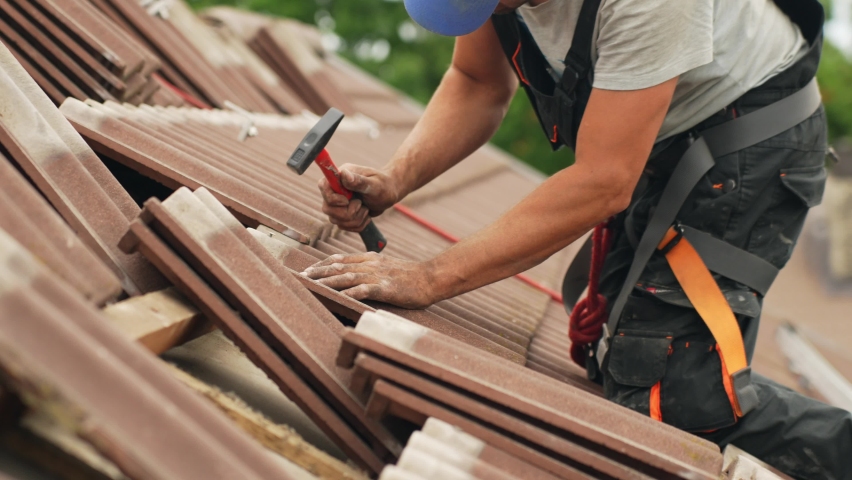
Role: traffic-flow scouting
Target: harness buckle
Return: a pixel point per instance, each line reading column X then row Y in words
column 570, row 79
column 678, row 227
column 603, row 345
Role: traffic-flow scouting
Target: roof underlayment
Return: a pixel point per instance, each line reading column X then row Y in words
column 140, row 226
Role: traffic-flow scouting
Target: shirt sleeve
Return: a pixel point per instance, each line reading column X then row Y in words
column 643, row 43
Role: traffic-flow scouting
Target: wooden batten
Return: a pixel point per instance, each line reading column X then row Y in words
column 159, row 320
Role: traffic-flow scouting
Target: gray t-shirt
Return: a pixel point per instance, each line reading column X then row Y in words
column 720, row 48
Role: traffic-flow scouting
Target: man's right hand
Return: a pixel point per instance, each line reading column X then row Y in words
column 376, row 189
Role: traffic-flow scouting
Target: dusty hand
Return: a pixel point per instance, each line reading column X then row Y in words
column 376, row 189
column 370, row 276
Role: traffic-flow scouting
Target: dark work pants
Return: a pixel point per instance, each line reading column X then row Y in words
column 797, row 435
column 755, row 199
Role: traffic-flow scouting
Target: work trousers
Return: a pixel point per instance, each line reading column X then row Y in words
column 755, row 199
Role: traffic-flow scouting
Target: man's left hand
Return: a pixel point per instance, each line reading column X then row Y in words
column 370, row 276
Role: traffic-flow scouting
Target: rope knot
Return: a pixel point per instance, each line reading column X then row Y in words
column 589, row 315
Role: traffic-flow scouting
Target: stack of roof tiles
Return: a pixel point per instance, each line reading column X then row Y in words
column 73, row 50
column 281, row 326
column 120, row 50
column 439, row 451
column 138, row 52
column 230, row 228
column 295, row 53
column 412, row 373
column 57, row 352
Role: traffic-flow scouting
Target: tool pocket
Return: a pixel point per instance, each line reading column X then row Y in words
column 635, row 365
column 807, row 183
column 660, row 373
column 693, row 394
column 638, row 359
column 779, row 217
column 677, row 382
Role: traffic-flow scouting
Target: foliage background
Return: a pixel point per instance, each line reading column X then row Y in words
column 378, row 36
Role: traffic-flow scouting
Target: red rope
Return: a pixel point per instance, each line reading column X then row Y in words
column 556, row 296
column 185, row 96
column 589, row 315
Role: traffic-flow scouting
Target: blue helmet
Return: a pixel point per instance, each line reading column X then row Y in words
column 451, row 17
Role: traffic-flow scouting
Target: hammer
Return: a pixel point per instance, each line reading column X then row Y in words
column 312, row 148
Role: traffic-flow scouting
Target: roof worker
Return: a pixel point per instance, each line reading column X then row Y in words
column 700, row 141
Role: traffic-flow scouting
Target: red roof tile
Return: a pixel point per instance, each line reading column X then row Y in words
column 28, row 218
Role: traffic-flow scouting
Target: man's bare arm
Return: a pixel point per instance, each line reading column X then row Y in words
column 615, row 139
column 464, row 114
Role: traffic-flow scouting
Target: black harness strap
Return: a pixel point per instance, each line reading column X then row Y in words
column 559, row 104
column 808, row 15
column 578, row 60
column 696, row 162
column 732, row 262
column 739, row 133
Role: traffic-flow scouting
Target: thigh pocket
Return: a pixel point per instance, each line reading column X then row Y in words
column 638, row 359
column 677, row 382
column 634, row 368
column 692, row 393
column 776, row 231
column 806, row 183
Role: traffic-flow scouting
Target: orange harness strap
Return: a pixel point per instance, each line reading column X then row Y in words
column 708, row 300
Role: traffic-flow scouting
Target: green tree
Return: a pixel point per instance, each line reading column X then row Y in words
column 835, row 79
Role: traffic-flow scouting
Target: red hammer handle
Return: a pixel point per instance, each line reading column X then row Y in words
column 372, row 237
column 329, row 169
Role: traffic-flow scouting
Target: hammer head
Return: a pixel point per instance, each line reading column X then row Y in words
column 315, row 141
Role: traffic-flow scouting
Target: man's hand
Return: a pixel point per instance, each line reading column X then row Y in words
column 370, row 276
column 377, row 190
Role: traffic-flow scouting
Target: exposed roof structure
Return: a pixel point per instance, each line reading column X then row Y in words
column 58, row 354
column 131, row 210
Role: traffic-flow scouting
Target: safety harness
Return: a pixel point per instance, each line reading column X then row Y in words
column 559, row 104
column 692, row 255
